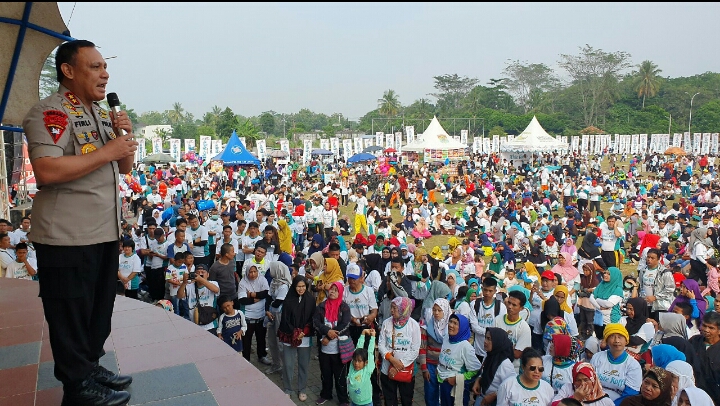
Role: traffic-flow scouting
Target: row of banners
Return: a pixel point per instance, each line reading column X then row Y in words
column 697, row 143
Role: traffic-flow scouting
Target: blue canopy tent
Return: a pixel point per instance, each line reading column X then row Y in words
column 361, row 157
column 236, row 154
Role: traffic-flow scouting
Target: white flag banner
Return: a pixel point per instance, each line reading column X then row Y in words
column 307, row 151
column 714, row 143
column 141, row 152
column 379, row 139
column 628, row 143
column 456, row 138
column 261, row 150
column 677, row 140
column 696, row 143
column 464, row 136
column 487, row 145
column 398, row 143
column 575, row 144
column 643, row 143
column 347, row 149
column 653, row 142
column 205, row 146
column 591, row 144
column 584, row 145
column 367, row 142
column 705, row 149
column 358, row 145
column 189, row 145
column 242, row 141
column 634, row 143
column 285, row 147
column 410, row 131
column 390, row 141
column 496, row 143
column 157, row 145
column 325, row 144
column 667, row 142
column 510, row 137
column 687, row 144
column 477, row 145
column 335, row 146
column 216, row 147
column 175, row 151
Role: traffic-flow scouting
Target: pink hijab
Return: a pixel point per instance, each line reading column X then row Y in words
column 570, row 249
column 568, row 271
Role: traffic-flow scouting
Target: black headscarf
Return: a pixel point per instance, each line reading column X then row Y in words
column 502, row 349
column 588, row 249
column 297, row 311
column 551, row 309
column 641, row 314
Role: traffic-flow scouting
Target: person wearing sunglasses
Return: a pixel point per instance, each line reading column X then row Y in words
column 528, row 384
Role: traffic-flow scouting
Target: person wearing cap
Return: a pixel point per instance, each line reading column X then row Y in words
column 362, row 303
column 198, row 290
column 620, row 374
column 538, row 295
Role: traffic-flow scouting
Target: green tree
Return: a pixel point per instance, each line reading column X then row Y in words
column 248, row 130
column 647, row 81
column 528, row 82
column 177, row 114
column 595, row 73
column 267, row 123
column 707, row 118
column 389, row 105
column 48, row 77
column 226, row 124
column 153, row 118
column 451, row 89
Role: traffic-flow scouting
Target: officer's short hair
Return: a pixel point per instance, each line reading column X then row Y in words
column 66, row 53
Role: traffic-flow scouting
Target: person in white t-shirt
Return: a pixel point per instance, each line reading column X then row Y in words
column 207, row 290
column 518, row 330
column 527, row 388
column 23, row 267
column 610, row 231
column 361, row 301
column 129, row 269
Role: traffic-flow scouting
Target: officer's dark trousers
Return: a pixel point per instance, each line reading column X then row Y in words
column 77, row 287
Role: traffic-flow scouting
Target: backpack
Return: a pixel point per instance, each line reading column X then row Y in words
column 496, row 308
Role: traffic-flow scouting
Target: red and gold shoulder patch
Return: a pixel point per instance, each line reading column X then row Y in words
column 72, row 98
column 55, row 122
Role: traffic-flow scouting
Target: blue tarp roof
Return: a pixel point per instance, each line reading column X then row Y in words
column 236, row 154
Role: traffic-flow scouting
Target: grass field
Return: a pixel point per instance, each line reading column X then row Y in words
column 441, row 240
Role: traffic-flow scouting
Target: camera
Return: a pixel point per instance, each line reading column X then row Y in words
column 192, row 276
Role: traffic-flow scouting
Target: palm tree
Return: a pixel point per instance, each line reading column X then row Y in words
column 647, row 82
column 389, row 105
column 177, row 114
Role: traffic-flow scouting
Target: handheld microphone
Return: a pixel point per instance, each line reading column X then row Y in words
column 114, row 103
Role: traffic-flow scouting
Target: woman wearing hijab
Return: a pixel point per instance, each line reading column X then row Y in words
column 399, row 346
column 458, row 364
column 585, row 387
column 701, row 248
column 690, row 293
column 663, row 354
column 692, row 396
column 496, row 367
column 294, row 332
column 315, row 265
column 279, row 288
column 438, row 290
column 331, row 274
column 253, row 293
column 641, row 331
column 570, row 248
column 433, row 331
column 656, row 389
column 683, row 377
column 606, row 300
column 317, row 244
column 564, row 268
column 331, row 320
column 590, row 249
column 588, row 283
column 563, row 353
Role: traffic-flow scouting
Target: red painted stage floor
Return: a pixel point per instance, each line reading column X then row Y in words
column 172, row 361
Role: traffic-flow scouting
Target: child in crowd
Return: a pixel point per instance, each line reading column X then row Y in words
column 129, row 269
column 173, row 276
column 231, row 324
column 509, row 280
column 359, row 376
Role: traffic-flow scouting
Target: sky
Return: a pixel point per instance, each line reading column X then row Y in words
column 341, row 57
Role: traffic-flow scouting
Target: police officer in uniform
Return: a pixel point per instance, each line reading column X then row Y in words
column 78, row 153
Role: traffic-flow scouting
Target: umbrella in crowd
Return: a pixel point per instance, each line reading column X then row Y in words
column 321, row 151
column 158, row 159
column 361, row 157
column 372, row 148
column 675, row 151
column 276, row 153
column 390, row 151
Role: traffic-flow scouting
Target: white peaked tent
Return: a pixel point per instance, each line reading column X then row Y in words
column 533, row 139
column 434, row 138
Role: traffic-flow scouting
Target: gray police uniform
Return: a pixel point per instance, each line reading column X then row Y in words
column 76, row 230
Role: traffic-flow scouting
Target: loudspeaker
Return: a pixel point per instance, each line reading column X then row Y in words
column 13, row 156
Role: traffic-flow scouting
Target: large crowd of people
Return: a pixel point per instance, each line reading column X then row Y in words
column 560, row 281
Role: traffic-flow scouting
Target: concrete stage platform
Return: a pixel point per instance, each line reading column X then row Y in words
column 172, row 361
